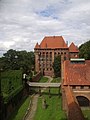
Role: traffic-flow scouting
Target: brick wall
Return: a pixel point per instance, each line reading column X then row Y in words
column 70, row 105
column 37, row 77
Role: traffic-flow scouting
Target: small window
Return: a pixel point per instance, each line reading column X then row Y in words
column 64, row 57
column 73, row 87
column 82, row 87
column 50, row 68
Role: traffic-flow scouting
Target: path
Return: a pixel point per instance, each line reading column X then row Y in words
column 33, row 108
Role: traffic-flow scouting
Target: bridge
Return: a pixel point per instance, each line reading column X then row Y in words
column 44, row 85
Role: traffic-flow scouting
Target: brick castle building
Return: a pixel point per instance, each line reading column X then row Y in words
column 77, row 76
column 49, row 48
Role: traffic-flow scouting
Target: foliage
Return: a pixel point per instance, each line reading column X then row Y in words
column 57, row 66
column 16, row 60
column 85, row 50
column 11, row 80
column 12, row 94
column 20, row 112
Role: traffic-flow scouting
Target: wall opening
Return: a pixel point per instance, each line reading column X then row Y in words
column 83, row 101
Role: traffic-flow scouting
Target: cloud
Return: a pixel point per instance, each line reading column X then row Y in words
column 23, row 23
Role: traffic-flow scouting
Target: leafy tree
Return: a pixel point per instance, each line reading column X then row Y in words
column 57, row 66
column 16, row 60
column 85, row 50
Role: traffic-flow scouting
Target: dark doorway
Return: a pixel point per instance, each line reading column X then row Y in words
column 83, row 101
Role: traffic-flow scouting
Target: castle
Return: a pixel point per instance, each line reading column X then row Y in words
column 50, row 47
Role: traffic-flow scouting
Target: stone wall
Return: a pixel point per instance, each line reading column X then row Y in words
column 15, row 101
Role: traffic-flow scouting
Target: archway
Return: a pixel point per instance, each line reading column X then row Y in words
column 83, row 101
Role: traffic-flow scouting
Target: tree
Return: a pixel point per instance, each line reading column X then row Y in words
column 16, row 60
column 85, row 50
column 57, row 66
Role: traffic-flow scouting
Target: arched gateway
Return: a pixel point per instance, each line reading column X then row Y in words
column 83, row 101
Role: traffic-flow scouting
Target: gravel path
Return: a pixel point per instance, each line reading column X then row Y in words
column 33, row 108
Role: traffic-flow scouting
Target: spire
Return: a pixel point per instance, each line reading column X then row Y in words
column 37, row 45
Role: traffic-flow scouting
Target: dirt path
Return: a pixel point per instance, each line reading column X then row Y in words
column 33, row 108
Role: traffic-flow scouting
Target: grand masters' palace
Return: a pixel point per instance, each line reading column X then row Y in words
column 50, row 47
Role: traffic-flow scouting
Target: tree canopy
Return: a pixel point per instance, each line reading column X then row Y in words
column 85, row 50
column 16, row 60
column 57, row 66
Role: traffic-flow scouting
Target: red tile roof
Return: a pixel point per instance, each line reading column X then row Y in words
column 73, row 48
column 76, row 74
column 53, row 42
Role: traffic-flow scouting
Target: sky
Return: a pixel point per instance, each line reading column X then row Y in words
column 23, row 23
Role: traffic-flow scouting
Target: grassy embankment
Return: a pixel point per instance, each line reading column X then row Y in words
column 21, row 110
column 43, row 79
column 86, row 114
column 54, row 105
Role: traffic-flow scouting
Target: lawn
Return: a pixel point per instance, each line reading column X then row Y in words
column 20, row 112
column 43, row 79
column 56, row 80
column 86, row 114
column 53, row 110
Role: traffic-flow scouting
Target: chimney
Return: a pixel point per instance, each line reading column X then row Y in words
column 67, row 43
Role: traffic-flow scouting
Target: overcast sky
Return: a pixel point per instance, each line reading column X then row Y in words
column 23, row 23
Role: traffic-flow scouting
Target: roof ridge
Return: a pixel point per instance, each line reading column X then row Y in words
column 53, row 42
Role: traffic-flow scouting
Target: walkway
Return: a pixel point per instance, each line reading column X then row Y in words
column 33, row 108
column 34, row 84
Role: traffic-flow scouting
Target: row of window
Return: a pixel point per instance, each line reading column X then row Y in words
column 45, row 53
column 81, row 87
column 46, row 65
column 47, row 69
column 48, row 58
column 50, row 53
column 45, row 59
column 59, row 53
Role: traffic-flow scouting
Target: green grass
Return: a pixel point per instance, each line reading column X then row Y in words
column 86, row 114
column 43, row 79
column 57, row 80
column 53, row 110
column 20, row 112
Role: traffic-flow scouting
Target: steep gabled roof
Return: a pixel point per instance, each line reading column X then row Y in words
column 37, row 46
column 76, row 74
column 53, row 42
column 73, row 48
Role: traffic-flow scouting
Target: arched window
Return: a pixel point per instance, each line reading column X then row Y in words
column 83, row 101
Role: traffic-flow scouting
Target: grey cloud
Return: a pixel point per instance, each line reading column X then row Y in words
column 21, row 25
